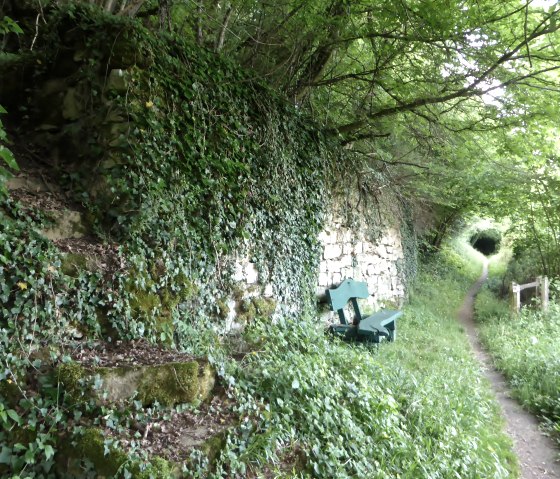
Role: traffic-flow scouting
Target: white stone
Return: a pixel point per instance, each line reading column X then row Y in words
column 324, row 280
column 367, row 247
column 268, row 291
column 251, row 273
column 346, row 273
column 230, row 320
column 238, row 273
column 323, row 237
column 323, row 268
column 334, row 266
column 346, row 261
column 370, row 271
column 345, row 236
column 332, row 251
column 68, row 224
column 357, row 273
column 347, row 248
column 327, row 237
column 336, row 278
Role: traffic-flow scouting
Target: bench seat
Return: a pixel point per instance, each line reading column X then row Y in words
column 372, row 328
column 382, row 323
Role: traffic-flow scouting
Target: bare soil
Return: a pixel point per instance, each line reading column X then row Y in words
column 537, row 453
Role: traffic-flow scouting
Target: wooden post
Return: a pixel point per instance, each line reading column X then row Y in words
column 515, row 297
column 544, row 293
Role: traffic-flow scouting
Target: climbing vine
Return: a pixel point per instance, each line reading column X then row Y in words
column 189, row 165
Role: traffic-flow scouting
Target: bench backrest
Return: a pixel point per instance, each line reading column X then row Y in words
column 348, row 291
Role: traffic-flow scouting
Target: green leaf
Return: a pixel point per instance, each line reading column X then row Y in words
column 14, row 416
column 49, row 451
column 5, row 455
column 29, row 456
column 8, row 157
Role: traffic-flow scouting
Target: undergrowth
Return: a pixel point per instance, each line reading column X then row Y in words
column 526, row 347
column 414, row 408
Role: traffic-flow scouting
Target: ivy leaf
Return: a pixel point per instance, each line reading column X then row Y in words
column 6, row 455
column 29, row 456
column 49, row 451
column 15, row 416
column 8, row 157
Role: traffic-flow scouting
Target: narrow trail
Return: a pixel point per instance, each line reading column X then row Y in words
column 537, row 453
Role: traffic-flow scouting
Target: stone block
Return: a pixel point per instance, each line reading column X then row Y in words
column 346, row 261
column 327, row 237
column 320, row 293
column 230, row 324
column 268, row 291
column 324, row 280
column 28, row 183
column 238, row 273
column 334, row 266
column 251, row 273
column 336, row 278
column 367, row 247
column 347, row 272
column 71, row 105
column 117, row 80
column 168, row 383
column 345, row 236
column 67, row 224
column 332, row 251
column 357, row 273
column 370, row 270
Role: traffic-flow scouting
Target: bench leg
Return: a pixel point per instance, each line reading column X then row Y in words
column 392, row 327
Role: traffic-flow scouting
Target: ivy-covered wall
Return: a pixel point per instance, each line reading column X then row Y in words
column 215, row 189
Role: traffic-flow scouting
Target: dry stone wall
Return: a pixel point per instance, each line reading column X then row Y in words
column 347, row 252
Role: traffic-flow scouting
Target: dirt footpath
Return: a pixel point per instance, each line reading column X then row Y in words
column 537, row 453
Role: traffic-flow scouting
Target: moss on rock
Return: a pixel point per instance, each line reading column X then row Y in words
column 71, row 376
column 169, row 384
column 91, row 445
column 72, row 264
column 158, row 468
column 223, row 308
column 256, row 307
column 214, row 445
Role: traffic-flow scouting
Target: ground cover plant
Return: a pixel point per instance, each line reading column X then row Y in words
column 177, row 170
column 526, row 347
column 414, row 408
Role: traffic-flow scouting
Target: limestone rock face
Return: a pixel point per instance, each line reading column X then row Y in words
column 168, row 384
column 67, row 224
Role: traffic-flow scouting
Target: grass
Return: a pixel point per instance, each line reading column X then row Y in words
column 526, row 347
column 411, row 409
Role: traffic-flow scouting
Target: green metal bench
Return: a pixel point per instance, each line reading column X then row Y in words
column 382, row 324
